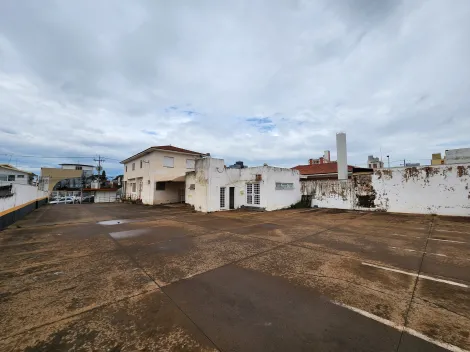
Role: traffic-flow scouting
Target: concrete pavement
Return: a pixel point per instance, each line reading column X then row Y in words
column 167, row 278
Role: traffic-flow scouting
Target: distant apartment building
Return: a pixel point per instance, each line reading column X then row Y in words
column 157, row 174
column 457, row 156
column 374, row 162
column 452, row 156
column 87, row 170
column 325, row 159
column 437, row 159
column 68, row 176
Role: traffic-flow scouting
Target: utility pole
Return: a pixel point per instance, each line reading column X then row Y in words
column 404, row 163
column 99, row 160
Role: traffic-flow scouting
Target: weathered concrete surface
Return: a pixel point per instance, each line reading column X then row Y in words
column 233, row 281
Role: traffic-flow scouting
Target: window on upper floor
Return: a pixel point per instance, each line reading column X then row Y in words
column 168, row 161
column 78, row 167
column 133, row 166
column 190, row 163
column 20, row 176
column 141, row 164
column 126, row 168
column 11, row 177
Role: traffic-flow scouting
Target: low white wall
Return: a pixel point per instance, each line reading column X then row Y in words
column 330, row 193
column 22, row 194
column 210, row 175
column 105, row 196
column 440, row 189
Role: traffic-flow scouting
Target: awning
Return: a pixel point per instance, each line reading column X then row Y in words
column 179, row 179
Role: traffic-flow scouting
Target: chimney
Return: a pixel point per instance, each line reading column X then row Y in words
column 326, row 156
column 321, row 160
column 310, row 161
column 342, row 156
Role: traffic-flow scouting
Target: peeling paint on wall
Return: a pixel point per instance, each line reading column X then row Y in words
column 436, row 189
column 462, row 170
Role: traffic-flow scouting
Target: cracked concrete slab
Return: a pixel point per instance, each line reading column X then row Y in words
column 297, row 279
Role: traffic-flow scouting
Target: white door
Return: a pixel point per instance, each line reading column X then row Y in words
column 253, row 196
column 141, row 186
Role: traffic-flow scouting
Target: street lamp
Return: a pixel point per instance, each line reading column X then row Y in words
column 388, row 161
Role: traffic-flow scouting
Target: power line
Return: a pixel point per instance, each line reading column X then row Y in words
column 47, row 157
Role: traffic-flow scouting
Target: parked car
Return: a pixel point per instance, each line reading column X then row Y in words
column 64, row 200
column 88, row 199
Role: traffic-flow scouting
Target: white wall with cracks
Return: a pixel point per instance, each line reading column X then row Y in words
column 440, row 189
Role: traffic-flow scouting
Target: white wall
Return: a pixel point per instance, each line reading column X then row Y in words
column 441, row 189
column 336, row 194
column 105, row 196
column 211, row 175
column 438, row 189
column 22, row 194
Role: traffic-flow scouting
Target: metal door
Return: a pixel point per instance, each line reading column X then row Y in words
column 232, row 198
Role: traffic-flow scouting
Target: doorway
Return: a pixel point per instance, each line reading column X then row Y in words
column 232, row 198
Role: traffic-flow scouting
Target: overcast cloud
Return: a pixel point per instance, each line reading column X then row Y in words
column 259, row 81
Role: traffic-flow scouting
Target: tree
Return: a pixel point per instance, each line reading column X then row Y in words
column 103, row 175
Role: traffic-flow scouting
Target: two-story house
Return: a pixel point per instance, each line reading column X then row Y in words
column 157, row 174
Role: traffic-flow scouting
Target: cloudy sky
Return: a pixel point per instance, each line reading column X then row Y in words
column 260, row 81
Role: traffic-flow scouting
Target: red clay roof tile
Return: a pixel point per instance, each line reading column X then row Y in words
column 328, row 168
column 176, row 149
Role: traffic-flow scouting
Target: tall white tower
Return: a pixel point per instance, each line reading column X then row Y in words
column 342, row 156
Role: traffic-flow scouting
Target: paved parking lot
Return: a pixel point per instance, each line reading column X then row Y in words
column 118, row 277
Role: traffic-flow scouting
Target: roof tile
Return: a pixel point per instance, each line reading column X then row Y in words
column 328, row 168
column 176, row 149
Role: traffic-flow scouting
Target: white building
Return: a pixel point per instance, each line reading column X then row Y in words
column 457, row 156
column 213, row 187
column 10, row 174
column 87, row 170
column 374, row 162
column 157, row 174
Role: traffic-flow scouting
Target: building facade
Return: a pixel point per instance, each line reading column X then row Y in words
column 437, row 159
column 87, row 170
column 68, row 176
column 213, row 187
column 374, row 162
column 457, row 156
column 157, row 174
column 321, row 160
column 10, row 174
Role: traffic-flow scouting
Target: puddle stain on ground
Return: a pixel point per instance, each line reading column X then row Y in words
column 129, row 233
column 117, row 222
